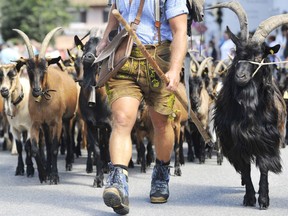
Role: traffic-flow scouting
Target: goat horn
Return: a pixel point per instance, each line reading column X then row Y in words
column 210, row 70
column 241, row 14
column 268, row 26
column 27, row 42
column 93, row 32
column 202, row 65
column 46, row 41
column 194, row 60
column 218, row 67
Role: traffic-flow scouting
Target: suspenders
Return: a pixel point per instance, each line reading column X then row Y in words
column 157, row 17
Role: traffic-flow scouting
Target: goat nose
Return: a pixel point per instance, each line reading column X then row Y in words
column 4, row 92
column 195, row 99
column 36, row 89
column 89, row 57
column 36, row 92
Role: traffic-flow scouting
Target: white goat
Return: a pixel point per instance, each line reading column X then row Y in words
column 15, row 90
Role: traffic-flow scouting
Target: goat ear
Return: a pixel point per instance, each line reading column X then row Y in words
column 233, row 37
column 78, row 42
column 53, row 60
column 272, row 50
column 20, row 63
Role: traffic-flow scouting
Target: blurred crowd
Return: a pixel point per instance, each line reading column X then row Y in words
column 222, row 49
column 11, row 51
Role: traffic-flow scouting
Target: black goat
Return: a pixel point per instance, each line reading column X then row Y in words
column 95, row 113
column 250, row 114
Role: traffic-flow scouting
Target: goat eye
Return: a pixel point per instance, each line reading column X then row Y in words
column 12, row 74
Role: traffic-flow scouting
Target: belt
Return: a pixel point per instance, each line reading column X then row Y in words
column 151, row 48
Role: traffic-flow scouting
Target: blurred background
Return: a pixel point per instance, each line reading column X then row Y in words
column 77, row 17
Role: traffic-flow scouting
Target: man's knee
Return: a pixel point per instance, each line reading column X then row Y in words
column 160, row 122
column 123, row 120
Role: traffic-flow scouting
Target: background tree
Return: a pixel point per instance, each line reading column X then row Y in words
column 35, row 17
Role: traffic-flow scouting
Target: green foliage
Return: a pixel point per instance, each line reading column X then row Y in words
column 35, row 17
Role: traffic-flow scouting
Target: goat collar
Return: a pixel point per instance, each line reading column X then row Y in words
column 19, row 98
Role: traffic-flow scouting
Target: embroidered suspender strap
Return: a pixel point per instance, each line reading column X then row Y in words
column 157, row 19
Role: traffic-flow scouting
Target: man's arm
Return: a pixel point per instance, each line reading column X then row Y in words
column 178, row 26
column 112, row 24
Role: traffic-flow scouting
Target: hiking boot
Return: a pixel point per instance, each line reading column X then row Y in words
column 115, row 194
column 159, row 185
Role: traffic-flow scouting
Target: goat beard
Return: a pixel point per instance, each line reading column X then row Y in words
column 247, row 97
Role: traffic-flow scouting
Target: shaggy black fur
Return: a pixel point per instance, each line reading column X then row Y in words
column 246, row 118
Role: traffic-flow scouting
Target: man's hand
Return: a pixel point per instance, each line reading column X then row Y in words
column 174, row 79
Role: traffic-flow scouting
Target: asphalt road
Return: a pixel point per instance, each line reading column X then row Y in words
column 202, row 190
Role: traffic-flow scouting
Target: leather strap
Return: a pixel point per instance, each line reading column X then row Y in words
column 110, row 48
column 139, row 12
column 157, row 19
column 19, row 98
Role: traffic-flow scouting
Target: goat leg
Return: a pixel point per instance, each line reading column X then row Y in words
column 20, row 165
column 29, row 163
column 38, row 158
column 263, row 199
column 54, row 177
column 249, row 198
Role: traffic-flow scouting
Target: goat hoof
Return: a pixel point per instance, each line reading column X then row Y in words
column 219, row 161
column 177, row 171
column 263, row 202
column 42, row 178
column 89, row 168
column 19, row 171
column 98, row 182
column 249, row 200
column 54, row 179
column 68, row 167
column 30, row 171
column 201, row 161
column 106, row 169
column 190, row 158
column 263, row 207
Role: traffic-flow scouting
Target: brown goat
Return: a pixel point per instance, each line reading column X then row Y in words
column 52, row 103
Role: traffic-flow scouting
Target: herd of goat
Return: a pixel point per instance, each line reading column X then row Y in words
column 240, row 104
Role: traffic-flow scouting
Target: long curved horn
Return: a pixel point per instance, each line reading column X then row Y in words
column 210, row 68
column 219, row 66
column 46, row 41
column 237, row 8
column 202, row 65
column 268, row 26
column 27, row 42
column 93, row 32
column 193, row 60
